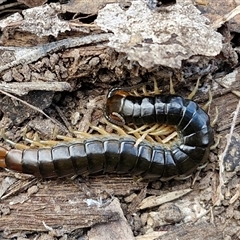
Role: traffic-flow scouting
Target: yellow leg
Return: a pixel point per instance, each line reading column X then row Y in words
column 162, row 130
column 192, row 94
column 207, row 104
column 119, row 130
column 144, row 90
column 156, row 89
column 215, row 118
column 137, row 129
column 216, row 143
column 157, row 139
column 145, row 133
column 135, row 92
column 202, row 166
column 172, row 91
column 170, row 137
column 132, row 131
column 99, row 130
column 15, row 145
column 182, row 177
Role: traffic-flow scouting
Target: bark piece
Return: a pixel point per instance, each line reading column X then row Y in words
column 113, row 230
column 61, row 204
column 44, row 21
column 170, row 35
column 231, row 161
column 154, row 201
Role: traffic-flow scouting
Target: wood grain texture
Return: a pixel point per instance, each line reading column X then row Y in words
column 62, row 204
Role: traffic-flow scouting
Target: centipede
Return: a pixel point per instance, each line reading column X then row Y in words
column 119, row 153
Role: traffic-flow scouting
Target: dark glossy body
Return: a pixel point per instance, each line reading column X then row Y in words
column 108, row 155
column 115, row 154
column 191, row 122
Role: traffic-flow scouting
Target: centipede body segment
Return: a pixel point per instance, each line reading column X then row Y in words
column 191, row 121
column 121, row 154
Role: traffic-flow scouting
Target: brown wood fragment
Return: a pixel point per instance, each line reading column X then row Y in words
column 112, row 230
column 63, row 204
column 196, row 232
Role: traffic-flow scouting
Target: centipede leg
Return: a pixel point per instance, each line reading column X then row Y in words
column 36, row 142
column 135, row 92
column 192, row 94
column 12, row 143
column 202, row 166
column 119, row 130
column 214, row 146
column 182, row 177
column 138, row 132
column 156, row 88
column 172, row 91
column 208, row 103
column 144, row 90
column 213, row 122
column 145, row 133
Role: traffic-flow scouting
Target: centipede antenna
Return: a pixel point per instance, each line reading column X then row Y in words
column 207, row 104
column 192, row 94
column 172, row 91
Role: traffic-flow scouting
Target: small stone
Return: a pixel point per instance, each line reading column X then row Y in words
column 129, row 198
column 32, row 190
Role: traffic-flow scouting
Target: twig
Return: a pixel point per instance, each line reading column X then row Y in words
column 218, row 23
column 24, row 88
column 10, row 5
column 25, row 55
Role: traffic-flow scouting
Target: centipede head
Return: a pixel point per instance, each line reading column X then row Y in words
column 112, row 110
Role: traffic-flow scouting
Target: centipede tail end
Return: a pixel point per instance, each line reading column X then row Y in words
column 3, row 154
column 13, row 160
